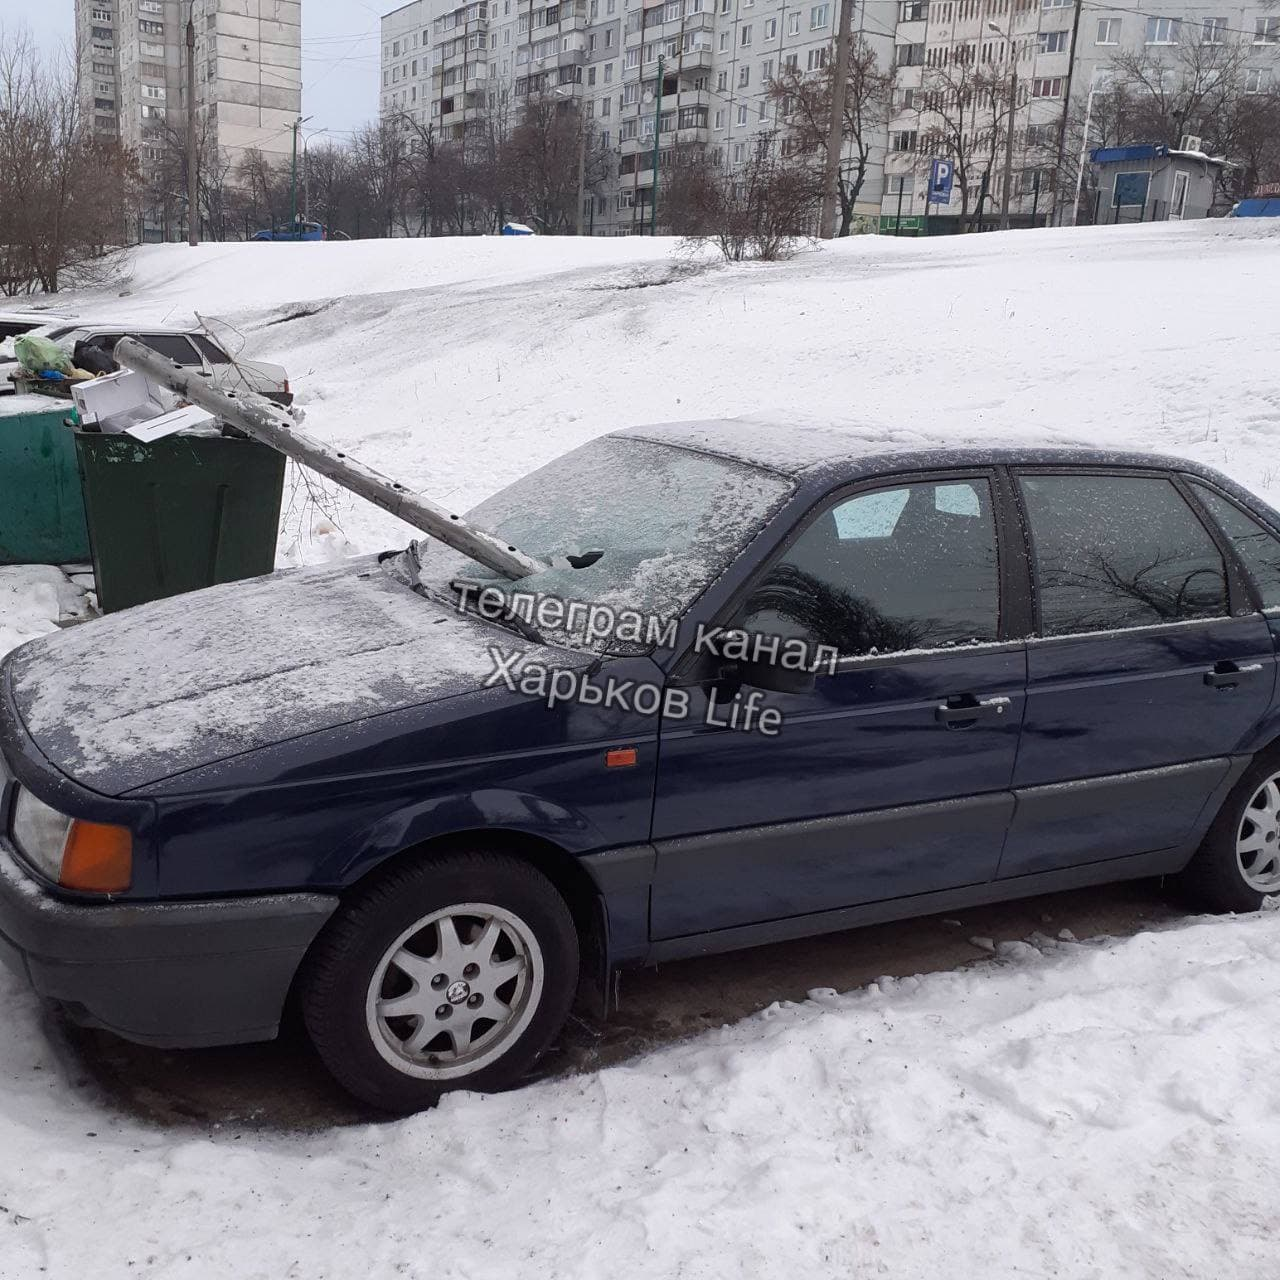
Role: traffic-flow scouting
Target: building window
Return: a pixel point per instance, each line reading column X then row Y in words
column 608, row 38
column 903, row 140
column 1254, row 80
column 742, row 114
column 817, row 58
column 906, row 99
column 722, row 82
column 631, row 59
column 1108, row 31
column 152, row 91
column 720, row 118
column 739, row 152
column 908, row 55
column 724, row 41
column 819, row 16
column 1053, row 41
column 744, row 76
column 771, row 29
column 1041, row 135
column 1047, row 88
column 793, row 24
column 791, row 62
column 608, row 73
column 1163, row 30
column 1054, row 4
column 1266, row 31
column 766, row 71
column 913, row 11
column 1214, row 31
column 744, row 35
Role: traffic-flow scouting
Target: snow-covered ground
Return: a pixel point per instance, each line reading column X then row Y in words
column 1081, row 1110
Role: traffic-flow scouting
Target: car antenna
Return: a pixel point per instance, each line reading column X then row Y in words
column 263, row 421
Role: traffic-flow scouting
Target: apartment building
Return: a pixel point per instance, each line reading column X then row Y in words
column 456, row 66
column 1061, row 51
column 453, row 65
column 248, row 76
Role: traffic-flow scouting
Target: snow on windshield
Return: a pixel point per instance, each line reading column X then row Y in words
column 666, row 520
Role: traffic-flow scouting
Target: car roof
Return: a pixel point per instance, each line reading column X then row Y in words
column 94, row 327
column 801, row 451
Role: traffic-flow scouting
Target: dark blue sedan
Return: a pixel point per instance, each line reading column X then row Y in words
column 768, row 683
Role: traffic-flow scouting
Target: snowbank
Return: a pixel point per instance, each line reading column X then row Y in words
column 1074, row 1110
column 459, row 365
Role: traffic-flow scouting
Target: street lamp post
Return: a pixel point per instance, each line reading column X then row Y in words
column 1008, row 136
column 293, row 224
column 193, row 175
column 566, row 91
column 1084, row 141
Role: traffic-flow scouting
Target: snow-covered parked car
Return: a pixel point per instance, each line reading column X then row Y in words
column 768, row 684
column 192, row 348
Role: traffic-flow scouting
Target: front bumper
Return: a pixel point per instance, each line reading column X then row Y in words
column 173, row 975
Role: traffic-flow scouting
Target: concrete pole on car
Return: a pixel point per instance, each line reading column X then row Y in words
column 263, row 421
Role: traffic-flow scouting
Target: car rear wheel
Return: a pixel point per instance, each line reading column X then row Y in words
column 450, row 973
column 1238, row 865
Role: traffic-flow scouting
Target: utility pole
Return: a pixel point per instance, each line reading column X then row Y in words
column 1055, row 210
column 657, row 138
column 835, row 133
column 193, row 174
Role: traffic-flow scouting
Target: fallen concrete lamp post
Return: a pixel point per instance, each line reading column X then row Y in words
column 263, row 421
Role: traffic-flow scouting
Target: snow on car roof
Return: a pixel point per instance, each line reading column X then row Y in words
column 794, row 450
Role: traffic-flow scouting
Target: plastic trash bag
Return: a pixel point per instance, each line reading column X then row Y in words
column 38, row 355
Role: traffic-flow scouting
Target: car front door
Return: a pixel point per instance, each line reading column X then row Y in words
column 889, row 775
column 1150, row 668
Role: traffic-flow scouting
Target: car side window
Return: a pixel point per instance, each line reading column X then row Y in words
column 213, row 353
column 173, row 346
column 1119, row 551
column 909, row 567
column 1255, row 544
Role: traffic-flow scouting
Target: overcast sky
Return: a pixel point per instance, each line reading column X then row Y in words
column 340, row 54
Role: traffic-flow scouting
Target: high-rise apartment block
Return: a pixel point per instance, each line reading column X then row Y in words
column 248, row 74
column 962, row 68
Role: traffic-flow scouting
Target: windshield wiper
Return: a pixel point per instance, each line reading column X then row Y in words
column 507, row 619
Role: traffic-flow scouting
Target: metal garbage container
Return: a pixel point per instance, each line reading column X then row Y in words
column 177, row 514
column 42, row 519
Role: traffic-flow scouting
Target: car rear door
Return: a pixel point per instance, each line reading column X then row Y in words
column 1150, row 669
column 891, row 774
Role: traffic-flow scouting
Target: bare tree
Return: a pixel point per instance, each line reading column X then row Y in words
column 541, row 161
column 804, row 107
column 962, row 101
column 758, row 210
column 49, row 224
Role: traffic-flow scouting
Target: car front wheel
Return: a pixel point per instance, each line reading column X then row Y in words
column 450, row 973
column 1238, row 865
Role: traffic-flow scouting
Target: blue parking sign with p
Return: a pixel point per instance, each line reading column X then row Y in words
column 941, row 176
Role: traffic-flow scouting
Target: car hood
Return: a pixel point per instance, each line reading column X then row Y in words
column 150, row 692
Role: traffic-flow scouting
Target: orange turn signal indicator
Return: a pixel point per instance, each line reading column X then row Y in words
column 621, row 758
column 97, row 858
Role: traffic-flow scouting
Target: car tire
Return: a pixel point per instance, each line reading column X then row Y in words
column 1238, row 864
column 445, row 973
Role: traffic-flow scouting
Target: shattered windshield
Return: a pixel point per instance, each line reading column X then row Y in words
column 634, row 527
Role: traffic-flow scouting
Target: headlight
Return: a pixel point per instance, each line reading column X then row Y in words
column 40, row 833
column 91, row 856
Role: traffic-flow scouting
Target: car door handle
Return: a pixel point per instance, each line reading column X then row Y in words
column 1226, row 675
column 965, row 709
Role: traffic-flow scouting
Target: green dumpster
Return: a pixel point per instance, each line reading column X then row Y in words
column 178, row 514
column 41, row 509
